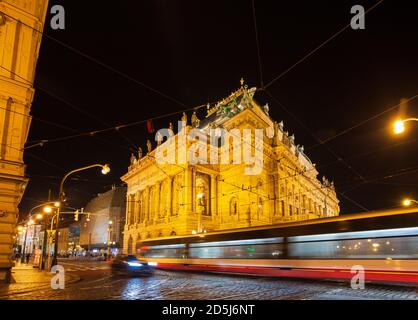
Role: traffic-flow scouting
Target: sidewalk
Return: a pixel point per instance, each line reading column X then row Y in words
column 26, row 278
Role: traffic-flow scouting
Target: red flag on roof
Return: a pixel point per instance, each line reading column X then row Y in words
column 150, row 126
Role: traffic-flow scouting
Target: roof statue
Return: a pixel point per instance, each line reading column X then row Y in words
column 133, row 159
column 184, row 118
column 266, row 108
column 195, row 120
column 149, row 146
column 159, row 138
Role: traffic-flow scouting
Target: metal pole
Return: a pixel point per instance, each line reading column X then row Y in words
column 109, row 239
column 50, row 241
column 43, row 257
column 22, row 260
column 55, row 259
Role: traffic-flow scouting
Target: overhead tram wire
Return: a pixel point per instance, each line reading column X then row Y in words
column 315, row 137
column 345, row 131
column 260, row 68
column 394, row 174
column 72, row 106
column 364, row 154
column 102, row 64
column 91, row 133
column 281, row 75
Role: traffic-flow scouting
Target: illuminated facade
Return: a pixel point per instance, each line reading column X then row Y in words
column 188, row 197
column 95, row 232
column 21, row 22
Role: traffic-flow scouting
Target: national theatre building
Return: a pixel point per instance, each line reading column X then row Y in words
column 236, row 168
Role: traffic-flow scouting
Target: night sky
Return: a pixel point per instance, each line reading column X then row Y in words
column 195, row 52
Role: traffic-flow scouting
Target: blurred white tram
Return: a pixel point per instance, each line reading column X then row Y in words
column 385, row 243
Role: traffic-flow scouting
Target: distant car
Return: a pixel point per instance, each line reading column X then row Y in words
column 129, row 264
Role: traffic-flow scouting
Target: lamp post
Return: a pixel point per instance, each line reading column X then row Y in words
column 109, row 238
column 47, row 210
column 399, row 125
column 22, row 259
column 105, row 170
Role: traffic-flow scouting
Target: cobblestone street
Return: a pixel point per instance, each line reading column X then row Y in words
column 94, row 280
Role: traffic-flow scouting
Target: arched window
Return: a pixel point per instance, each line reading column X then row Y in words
column 233, row 206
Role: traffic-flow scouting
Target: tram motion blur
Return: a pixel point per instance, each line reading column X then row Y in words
column 384, row 243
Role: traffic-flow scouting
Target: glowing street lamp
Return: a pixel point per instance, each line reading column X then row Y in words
column 39, row 216
column 399, row 125
column 408, row 202
column 105, row 169
column 47, row 209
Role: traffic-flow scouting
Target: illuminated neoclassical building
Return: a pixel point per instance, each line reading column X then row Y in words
column 239, row 179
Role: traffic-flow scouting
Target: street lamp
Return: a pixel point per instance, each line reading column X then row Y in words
column 399, row 125
column 105, row 170
column 408, row 202
column 47, row 209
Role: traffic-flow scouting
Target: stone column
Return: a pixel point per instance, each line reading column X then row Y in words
column 170, row 199
column 148, row 200
column 128, row 210
column 140, row 209
column 187, row 191
column 158, row 202
column 213, row 196
column 137, row 207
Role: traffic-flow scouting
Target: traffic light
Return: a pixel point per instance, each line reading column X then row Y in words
column 76, row 215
